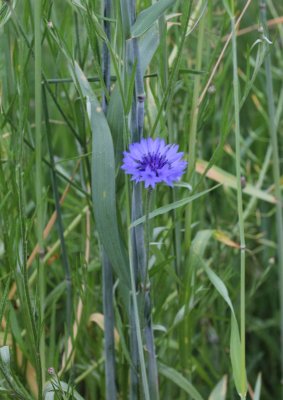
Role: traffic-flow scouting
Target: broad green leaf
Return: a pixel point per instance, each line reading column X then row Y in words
column 219, row 175
column 148, row 44
column 103, row 180
column 172, row 206
column 179, row 380
column 220, row 390
column 149, row 16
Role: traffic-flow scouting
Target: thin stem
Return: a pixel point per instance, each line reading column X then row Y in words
column 276, row 173
column 38, row 189
column 146, row 235
column 193, row 128
column 138, row 328
column 148, row 330
column 240, row 207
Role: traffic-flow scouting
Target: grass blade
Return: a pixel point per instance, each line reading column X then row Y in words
column 172, row 206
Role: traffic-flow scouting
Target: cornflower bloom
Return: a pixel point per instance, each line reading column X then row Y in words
column 152, row 161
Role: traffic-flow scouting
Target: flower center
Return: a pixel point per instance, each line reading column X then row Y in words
column 154, row 161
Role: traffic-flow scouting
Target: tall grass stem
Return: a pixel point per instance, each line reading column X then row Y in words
column 240, row 208
column 107, row 270
column 38, row 180
column 276, row 171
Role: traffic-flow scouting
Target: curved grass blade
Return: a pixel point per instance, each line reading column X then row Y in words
column 235, row 342
column 179, row 380
column 197, row 250
column 172, row 206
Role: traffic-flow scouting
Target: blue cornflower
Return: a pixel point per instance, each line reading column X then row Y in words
column 152, row 161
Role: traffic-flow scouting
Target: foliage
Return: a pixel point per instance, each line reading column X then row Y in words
column 67, row 210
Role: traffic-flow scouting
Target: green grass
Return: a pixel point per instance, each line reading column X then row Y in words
column 201, row 303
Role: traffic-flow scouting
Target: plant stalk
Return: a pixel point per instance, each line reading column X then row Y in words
column 276, row 171
column 240, row 209
column 39, row 186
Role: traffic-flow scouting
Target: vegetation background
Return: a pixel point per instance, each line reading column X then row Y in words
column 208, row 87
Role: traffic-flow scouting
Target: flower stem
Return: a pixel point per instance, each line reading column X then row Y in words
column 146, row 235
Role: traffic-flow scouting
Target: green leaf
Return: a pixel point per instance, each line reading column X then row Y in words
column 219, row 285
column 235, row 354
column 148, row 17
column 103, row 180
column 235, row 342
column 220, row 390
column 148, row 45
column 172, row 206
column 179, row 380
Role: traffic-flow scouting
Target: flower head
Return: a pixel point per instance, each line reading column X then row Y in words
column 152, row 161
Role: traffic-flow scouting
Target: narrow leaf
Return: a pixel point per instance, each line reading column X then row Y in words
column 235, row 354
column 180, row 381
column 235, row 343
column 172, row 206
